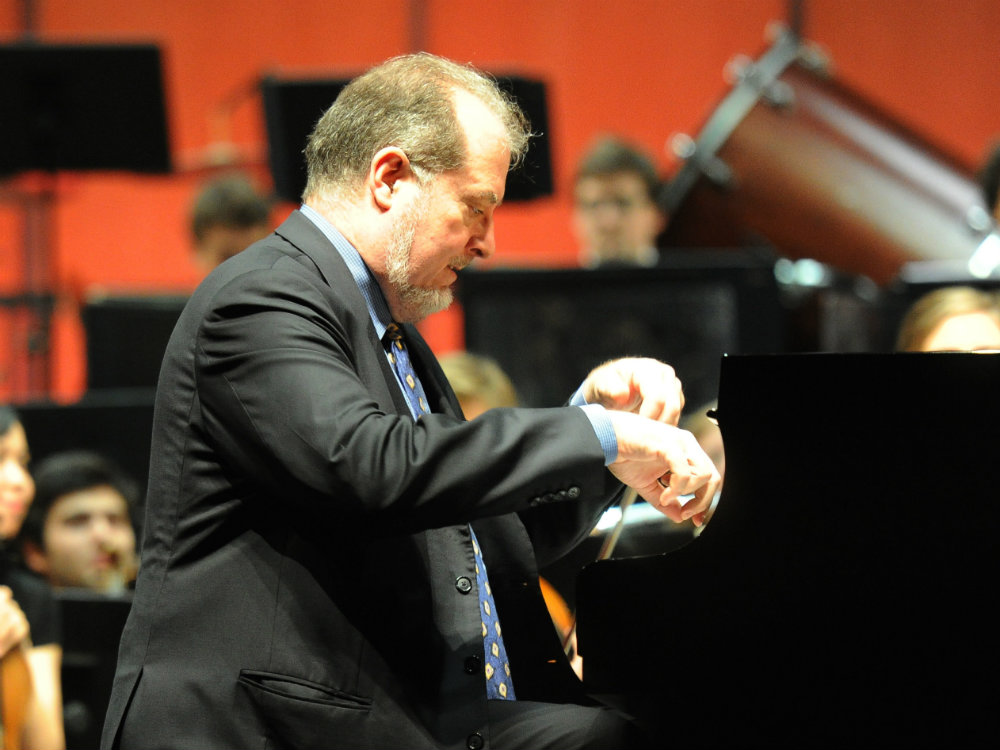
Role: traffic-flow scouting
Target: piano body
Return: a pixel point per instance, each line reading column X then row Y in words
column 847, row 589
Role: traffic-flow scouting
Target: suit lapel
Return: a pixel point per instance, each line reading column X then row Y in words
column 369, row 355
column 439, row 393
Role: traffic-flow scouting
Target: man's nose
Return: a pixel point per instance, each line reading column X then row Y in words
column 483, row 244
column 100, row 529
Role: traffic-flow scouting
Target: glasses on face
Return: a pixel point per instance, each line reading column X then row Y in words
column 622, row 204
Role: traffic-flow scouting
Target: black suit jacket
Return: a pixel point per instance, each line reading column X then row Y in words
column 306, row 541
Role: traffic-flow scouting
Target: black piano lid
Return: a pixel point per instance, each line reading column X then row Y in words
column 846, row 590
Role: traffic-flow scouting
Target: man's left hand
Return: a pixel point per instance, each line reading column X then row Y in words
column 643, row 386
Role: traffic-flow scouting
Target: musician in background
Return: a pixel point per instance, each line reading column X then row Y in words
column 616, row 215
column 79, row 531
column 228, row 215
column 955, row 318
column 479, row 383
column 29, row 620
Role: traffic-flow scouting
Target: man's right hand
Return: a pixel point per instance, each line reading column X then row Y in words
column 662, row 463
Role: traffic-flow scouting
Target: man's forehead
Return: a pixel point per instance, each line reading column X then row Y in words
column 97, row 497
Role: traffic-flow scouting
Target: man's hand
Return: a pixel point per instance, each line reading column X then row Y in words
column 646, row 387
column 13, row 624
column 662, row 463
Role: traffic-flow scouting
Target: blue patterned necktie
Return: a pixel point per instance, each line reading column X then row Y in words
column 498, row 681
column 399, row 358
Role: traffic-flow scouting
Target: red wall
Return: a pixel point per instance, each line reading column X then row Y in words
column 644, row 69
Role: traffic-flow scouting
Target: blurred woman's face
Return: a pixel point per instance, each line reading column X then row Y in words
column 17, row 488
column 969, row 332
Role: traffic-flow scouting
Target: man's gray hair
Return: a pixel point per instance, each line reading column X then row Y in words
column 407, row 102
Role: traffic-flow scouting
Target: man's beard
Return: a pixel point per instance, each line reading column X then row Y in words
column 414, row 303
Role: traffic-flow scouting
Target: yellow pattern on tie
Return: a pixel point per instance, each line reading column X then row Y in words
column 498, row 680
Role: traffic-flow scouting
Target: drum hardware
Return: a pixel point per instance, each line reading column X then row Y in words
column 816, row 171
column 718, row 172
column 814, row 58
column 779, row 95
column 986, row 259
column 752, row 78
column 811, row 55
column 743, row 71
column 713, row 168
column 979, row 219
column 740, row 69
column 682, row 145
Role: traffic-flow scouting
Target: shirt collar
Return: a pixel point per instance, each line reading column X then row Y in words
column 378, row 308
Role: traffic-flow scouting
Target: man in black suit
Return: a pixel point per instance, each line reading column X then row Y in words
column 328, row 545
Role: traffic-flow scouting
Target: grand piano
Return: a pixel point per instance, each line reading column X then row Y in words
column 846, row 591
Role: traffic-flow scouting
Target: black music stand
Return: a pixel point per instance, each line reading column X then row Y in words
column 127, row 336
column 293, row 106
column 82, row 107
column 92, row 626
column 115, row 422
column 548, row 328
column 73, row 107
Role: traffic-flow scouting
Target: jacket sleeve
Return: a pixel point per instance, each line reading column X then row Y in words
column 296, row 402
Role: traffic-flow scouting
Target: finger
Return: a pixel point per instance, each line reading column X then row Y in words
column 671, row 500
column 698, row 509
column 652, row 406
column 618, row 391
column 653, row 494
column 672, row 509
column 680, row 507
column 607, row 387
column 662, row 400
column 692, row 490
column 703, row 517
column 686, row 478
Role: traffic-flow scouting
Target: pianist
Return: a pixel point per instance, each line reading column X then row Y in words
column 320, row 520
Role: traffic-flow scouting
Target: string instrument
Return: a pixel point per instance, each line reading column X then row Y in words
column 15, row 691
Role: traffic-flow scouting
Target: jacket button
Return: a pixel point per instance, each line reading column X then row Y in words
column 463, row 584
column 573, row 493
column 474, row 741
column 473, row 664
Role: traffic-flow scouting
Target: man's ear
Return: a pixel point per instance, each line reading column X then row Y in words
column 389, row 167
column 34, row 558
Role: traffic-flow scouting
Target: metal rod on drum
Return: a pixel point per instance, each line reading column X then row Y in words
column 795, row 14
